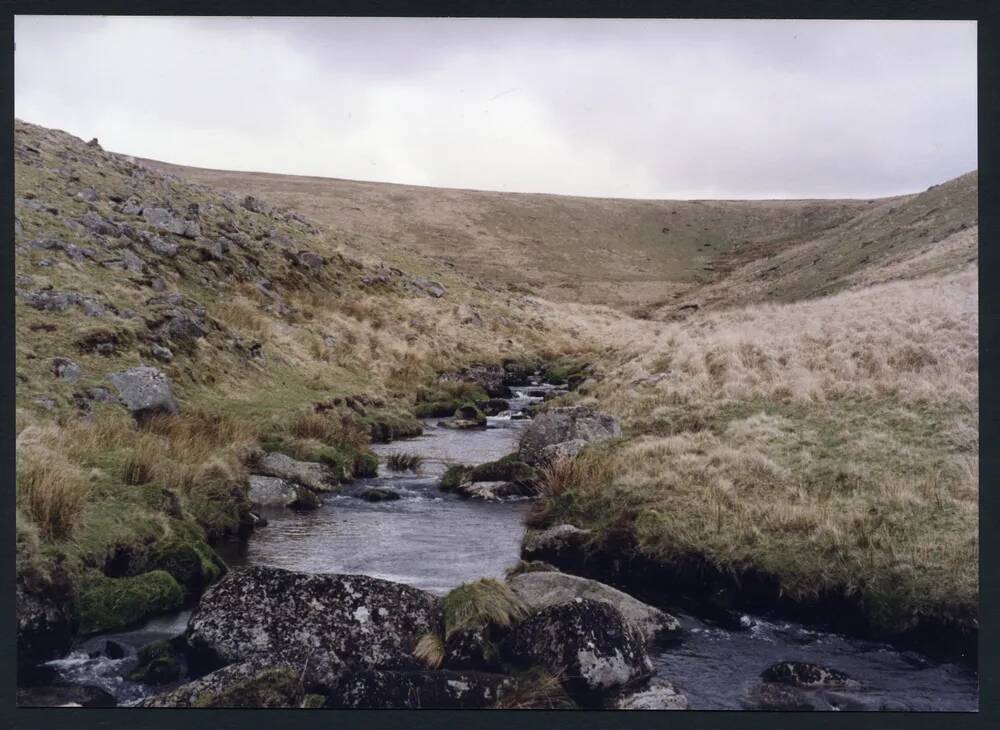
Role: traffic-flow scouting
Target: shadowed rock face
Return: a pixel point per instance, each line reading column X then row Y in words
column 323, row 621
column 416, row 690
column 589, row 641
column 561, row 425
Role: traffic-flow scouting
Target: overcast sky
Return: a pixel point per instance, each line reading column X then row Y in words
column 645, row 109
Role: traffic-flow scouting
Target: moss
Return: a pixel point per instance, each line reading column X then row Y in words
column 158, row 663
column 386, row 426
column 190, row 560
column 271, row 688
column 313, row 702
column 454, row 476
column 107, row 604
column 507, row 469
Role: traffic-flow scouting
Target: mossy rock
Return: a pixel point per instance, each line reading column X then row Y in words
column 469, row 412
column 107, row 604
column 454, row 476
column 365, row 464
column 508, row 469
column 437, row 409
column 192, row 562
column 159, row 663
column 384, row 427
column 271, row 688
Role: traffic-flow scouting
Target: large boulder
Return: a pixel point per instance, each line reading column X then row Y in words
column 145, row 391
column 491, row 491
column 441, row 689
column 543, row 589
column 559, row 425
column 589, row 642
column 325, row 621
column 274, row 492
column 309, row 474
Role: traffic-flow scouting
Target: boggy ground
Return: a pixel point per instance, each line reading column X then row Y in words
column 829, row 443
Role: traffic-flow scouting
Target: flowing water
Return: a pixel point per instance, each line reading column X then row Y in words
column 436, row 541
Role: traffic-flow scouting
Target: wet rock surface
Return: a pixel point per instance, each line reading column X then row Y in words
column 442, row 689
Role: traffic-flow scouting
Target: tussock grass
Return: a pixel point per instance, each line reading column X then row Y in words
column 536, row 689
column 479, row 604
column 400, row 461
column 51, row 491
column 430, row 650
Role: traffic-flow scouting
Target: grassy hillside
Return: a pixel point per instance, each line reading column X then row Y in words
column 625, row 253
column 271, row 331
column 815, row 417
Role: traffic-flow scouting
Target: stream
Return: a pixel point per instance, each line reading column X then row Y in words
column 436, row 541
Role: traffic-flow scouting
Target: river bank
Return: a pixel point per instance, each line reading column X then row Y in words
column 716, row 666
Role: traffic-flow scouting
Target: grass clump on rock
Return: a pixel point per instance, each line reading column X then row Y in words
column 480, row 604
column 430, row 650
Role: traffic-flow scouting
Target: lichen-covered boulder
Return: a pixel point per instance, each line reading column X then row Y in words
column 309, row 474
column 145, row 391
column 540, row 590
column 442, row 689
column 589, row 642
column 326, row 621
column 268, row 491
column 558, row 425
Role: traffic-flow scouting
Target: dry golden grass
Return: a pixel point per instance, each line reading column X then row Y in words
column 51, row 491
column 430, row 650
column 479, row 604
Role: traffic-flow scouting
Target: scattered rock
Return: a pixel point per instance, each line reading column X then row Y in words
column 165, row 220
column 558, row 425
column 771, row 696
column 494, row 406
column 325, row 620
column 805, row 674
column 132, row 262
column 145, row 391
column 563, row 450
column 589, row 641
column 163, row 247
column 310, row 260
column 161, row 353
column 66, row 369
column 44, row 402
column 491, row 491
column 88, row 194
column 431, row 288
column 540, row 590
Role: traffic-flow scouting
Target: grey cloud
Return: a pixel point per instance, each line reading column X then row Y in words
column 613, row 108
